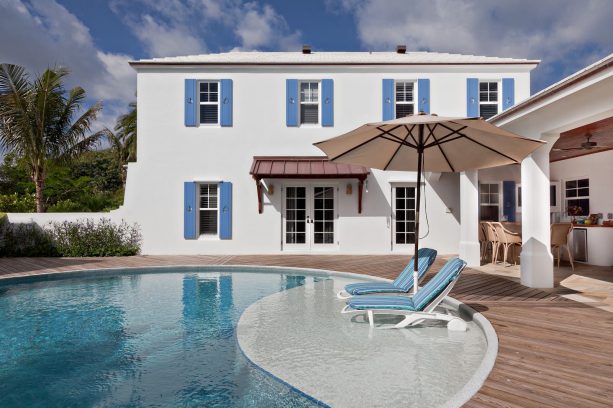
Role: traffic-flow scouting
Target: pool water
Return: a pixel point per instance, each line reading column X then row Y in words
column 136, row 340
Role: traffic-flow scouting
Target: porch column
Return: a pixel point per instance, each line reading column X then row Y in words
column 536, row 259
column 470, row 250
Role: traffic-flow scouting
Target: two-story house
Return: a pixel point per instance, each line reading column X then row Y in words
column 226, row 160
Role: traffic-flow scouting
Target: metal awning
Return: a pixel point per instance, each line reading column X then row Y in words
column 305, row 167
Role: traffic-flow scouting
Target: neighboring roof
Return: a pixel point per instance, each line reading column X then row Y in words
column 310, row 167
column 577, row 77
column 331, row 58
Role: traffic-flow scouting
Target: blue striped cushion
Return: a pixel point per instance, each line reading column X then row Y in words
column 426, row 257
column 382, row 302
column 371, row 287
column 404, row 281
column 438, row 283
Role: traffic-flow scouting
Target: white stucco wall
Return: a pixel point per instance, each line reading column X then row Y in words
column 170, row 154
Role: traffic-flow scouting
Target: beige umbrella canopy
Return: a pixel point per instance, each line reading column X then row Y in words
column 428, row 142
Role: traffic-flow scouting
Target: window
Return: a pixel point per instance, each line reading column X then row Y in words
column 309, row 103
column 489, row 202
column 209, row 102
column 577, row 194
column 209, row 205
column 405, row 215
column 405, row 98
column 554, row 188
column 488, row 99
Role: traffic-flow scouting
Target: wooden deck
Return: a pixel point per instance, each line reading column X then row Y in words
column 553, row 352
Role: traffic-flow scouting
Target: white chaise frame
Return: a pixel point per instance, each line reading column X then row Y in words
column 454, row 323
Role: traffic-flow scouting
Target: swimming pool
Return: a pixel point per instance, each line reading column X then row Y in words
column 167, row 337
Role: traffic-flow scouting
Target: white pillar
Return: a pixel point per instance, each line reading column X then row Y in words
column 470, row 250
column 536, row 259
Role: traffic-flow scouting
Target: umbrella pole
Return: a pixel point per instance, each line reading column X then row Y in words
column 420, row 153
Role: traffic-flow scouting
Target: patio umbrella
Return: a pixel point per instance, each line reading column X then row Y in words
column 436, row 143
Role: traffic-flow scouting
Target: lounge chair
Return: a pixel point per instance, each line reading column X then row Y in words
column 402, row 284
column 418, row 307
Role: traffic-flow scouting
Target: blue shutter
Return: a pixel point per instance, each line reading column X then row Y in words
column 226, row 102
column 225, row 206
column 190, row 102
column 508, row 200
column 472, row 97
column 388, row 99
column 327, row 100
column 291, row 102
column 189, row 210
column 508, row 93
column 423, row 89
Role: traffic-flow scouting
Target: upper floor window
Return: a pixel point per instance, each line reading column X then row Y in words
column 209, row 102
column 309, row 103
column 209, row 209
column 577, row 196
column 488, row 99
column 405, row 98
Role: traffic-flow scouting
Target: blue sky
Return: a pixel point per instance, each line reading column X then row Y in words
column 96, row 38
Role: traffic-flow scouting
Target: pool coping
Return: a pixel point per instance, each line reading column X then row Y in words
column 461, row 397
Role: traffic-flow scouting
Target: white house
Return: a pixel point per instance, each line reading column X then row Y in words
column 226, row 162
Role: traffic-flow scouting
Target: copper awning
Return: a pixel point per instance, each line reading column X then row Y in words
column 305, row 167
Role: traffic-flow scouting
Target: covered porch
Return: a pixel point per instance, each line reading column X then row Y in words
column 539, row 192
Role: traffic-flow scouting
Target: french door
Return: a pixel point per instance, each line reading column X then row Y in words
column 309, row 217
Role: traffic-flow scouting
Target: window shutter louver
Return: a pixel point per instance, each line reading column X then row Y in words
column 472, row 97
column 191, row 102
column 388, row 99
column 189, row 210
column 423, row 92
column 225, row 208
column 508, row 200
column 508, row 93
column 226, row 102
column 291, row 102
column 327, row 101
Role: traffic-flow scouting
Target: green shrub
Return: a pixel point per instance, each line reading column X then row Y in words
column 17, row 202
column 90, row 238
column 26, row 240
column 70, row 238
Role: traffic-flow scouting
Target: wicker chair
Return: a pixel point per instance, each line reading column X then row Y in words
column 507, row 240
column 492, row 239
column 559, row 238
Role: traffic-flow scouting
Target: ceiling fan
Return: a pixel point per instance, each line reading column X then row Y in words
column 587, row 145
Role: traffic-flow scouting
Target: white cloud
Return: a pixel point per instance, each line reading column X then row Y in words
column 175, row 27
column 562, row 33
column 41, row 34
column 167, row 41
column 263, row 27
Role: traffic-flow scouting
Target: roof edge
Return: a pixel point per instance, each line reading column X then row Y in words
column 579, row 76
column 137, row 64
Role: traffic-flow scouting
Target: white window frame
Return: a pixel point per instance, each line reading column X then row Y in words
column 499, row 96
column 499, row 205
column 415, row 99
column 300, row 103
column 200, row 209
column 566, row 199
column 394, row 186
column 555, row 208
column 218, row 103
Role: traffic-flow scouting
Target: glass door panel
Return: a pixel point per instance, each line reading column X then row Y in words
column 323, row 215
column 296, row 216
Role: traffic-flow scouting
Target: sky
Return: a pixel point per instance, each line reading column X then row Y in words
column 95, row 39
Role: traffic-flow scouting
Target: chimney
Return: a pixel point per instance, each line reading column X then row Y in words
column 401, row 49
column 306, row 49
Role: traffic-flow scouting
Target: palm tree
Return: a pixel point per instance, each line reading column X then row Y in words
column 37, row 121
column 123, row 140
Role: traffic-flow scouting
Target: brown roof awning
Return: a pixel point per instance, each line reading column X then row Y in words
column 304, row 167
